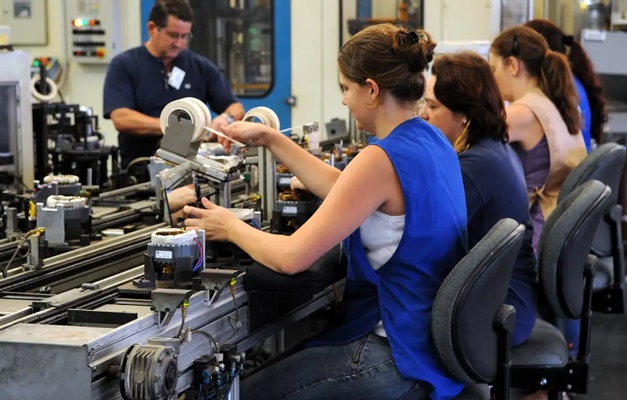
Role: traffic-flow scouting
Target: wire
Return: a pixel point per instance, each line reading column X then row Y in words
column 234, row 322
column 200, row 257
column 184, row 307
column 23, row 240
column 210, row 337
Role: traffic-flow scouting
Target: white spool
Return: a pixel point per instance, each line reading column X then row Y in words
column 265, row 115
column 65, row 201
column 173, row 236
column 61, row 179
column 54, row 90
column 197, row 111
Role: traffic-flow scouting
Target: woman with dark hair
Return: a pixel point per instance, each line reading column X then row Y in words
column 403, row 225
column 543, row 117
column 591, row 100
column 463, row 100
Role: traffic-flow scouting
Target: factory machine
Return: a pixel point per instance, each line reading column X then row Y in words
column 148, row 315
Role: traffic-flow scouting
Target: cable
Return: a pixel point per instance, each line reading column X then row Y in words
column 200, row 257
column 184, row 307
column 234, row 322
column 23, row 240
column 210, row 337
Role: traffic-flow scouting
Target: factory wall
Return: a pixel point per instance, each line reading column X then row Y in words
column 315, row 27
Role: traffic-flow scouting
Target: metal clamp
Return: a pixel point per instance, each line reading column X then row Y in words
column 215, row 280
column 166, row 301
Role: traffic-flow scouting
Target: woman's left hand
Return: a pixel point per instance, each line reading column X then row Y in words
column 218, row 222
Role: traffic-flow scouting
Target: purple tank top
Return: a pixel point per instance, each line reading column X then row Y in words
column 536, row 163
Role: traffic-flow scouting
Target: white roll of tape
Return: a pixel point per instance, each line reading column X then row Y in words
column 56, row 201
column 54, row 90
column 191, row 108
column 265, row 115
column 61, row 179
column 173, row 236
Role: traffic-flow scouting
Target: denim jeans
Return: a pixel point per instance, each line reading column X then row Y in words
column 360, row 370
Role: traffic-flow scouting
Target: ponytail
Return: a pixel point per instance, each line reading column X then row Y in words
column 557, row 83
column 583, row 70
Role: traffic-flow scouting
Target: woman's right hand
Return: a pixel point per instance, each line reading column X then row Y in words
column 295, row 183
column 252, row 133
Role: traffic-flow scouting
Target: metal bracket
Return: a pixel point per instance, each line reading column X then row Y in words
column 166, row 301
column 215, row 280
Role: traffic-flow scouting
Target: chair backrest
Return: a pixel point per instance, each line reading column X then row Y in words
column 468, row 300
column 605, row 164
column 564, row 245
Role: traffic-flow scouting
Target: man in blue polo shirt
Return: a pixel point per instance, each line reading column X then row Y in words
column 141, row 81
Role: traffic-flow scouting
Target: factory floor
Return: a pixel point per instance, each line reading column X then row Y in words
column 608, row 358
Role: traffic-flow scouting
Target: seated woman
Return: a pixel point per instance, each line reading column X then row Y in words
column 462, row 99
column 591, row 100
column 400, row 206
column 543, row 119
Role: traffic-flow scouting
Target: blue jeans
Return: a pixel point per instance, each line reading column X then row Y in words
column 360, row 370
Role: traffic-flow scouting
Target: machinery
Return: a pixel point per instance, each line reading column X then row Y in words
column 67, row 140
column 16, row 173
column 153, row 313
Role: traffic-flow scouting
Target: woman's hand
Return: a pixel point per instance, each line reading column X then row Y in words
column 218, row 222
column 295, row 183
column 252, row 133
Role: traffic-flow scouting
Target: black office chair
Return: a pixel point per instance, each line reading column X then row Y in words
column 565, row 275
column 470, row 325
column 605, row 164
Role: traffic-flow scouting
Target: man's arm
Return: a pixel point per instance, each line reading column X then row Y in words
column 119, row 100
column 127, row 120
column 236, row 110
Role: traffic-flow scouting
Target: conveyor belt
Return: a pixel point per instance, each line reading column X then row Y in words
column 109, row 256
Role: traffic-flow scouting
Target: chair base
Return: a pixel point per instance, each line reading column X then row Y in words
column 609, row 301
column 573, row 377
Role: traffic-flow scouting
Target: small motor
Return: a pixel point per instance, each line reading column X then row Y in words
column 173, row 257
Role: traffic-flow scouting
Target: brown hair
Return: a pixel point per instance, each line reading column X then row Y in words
column 162, row 9
column 392, row 56
column 582, row 68
column 549, row 67
column 465, row 84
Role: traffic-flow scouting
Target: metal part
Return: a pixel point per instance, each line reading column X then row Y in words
column 177, row 148
column 215, row 280
column 36, row 254
column 166, row 301
column 63, row 224
column 149, row 373
column 11, row 221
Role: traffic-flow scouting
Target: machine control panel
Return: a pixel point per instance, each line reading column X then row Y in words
column 95, row 31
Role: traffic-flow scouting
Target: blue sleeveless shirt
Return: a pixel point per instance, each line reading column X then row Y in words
column 401, row 292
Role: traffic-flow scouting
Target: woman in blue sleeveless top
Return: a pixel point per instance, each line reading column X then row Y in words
column 463, row 100
column 399, row 208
